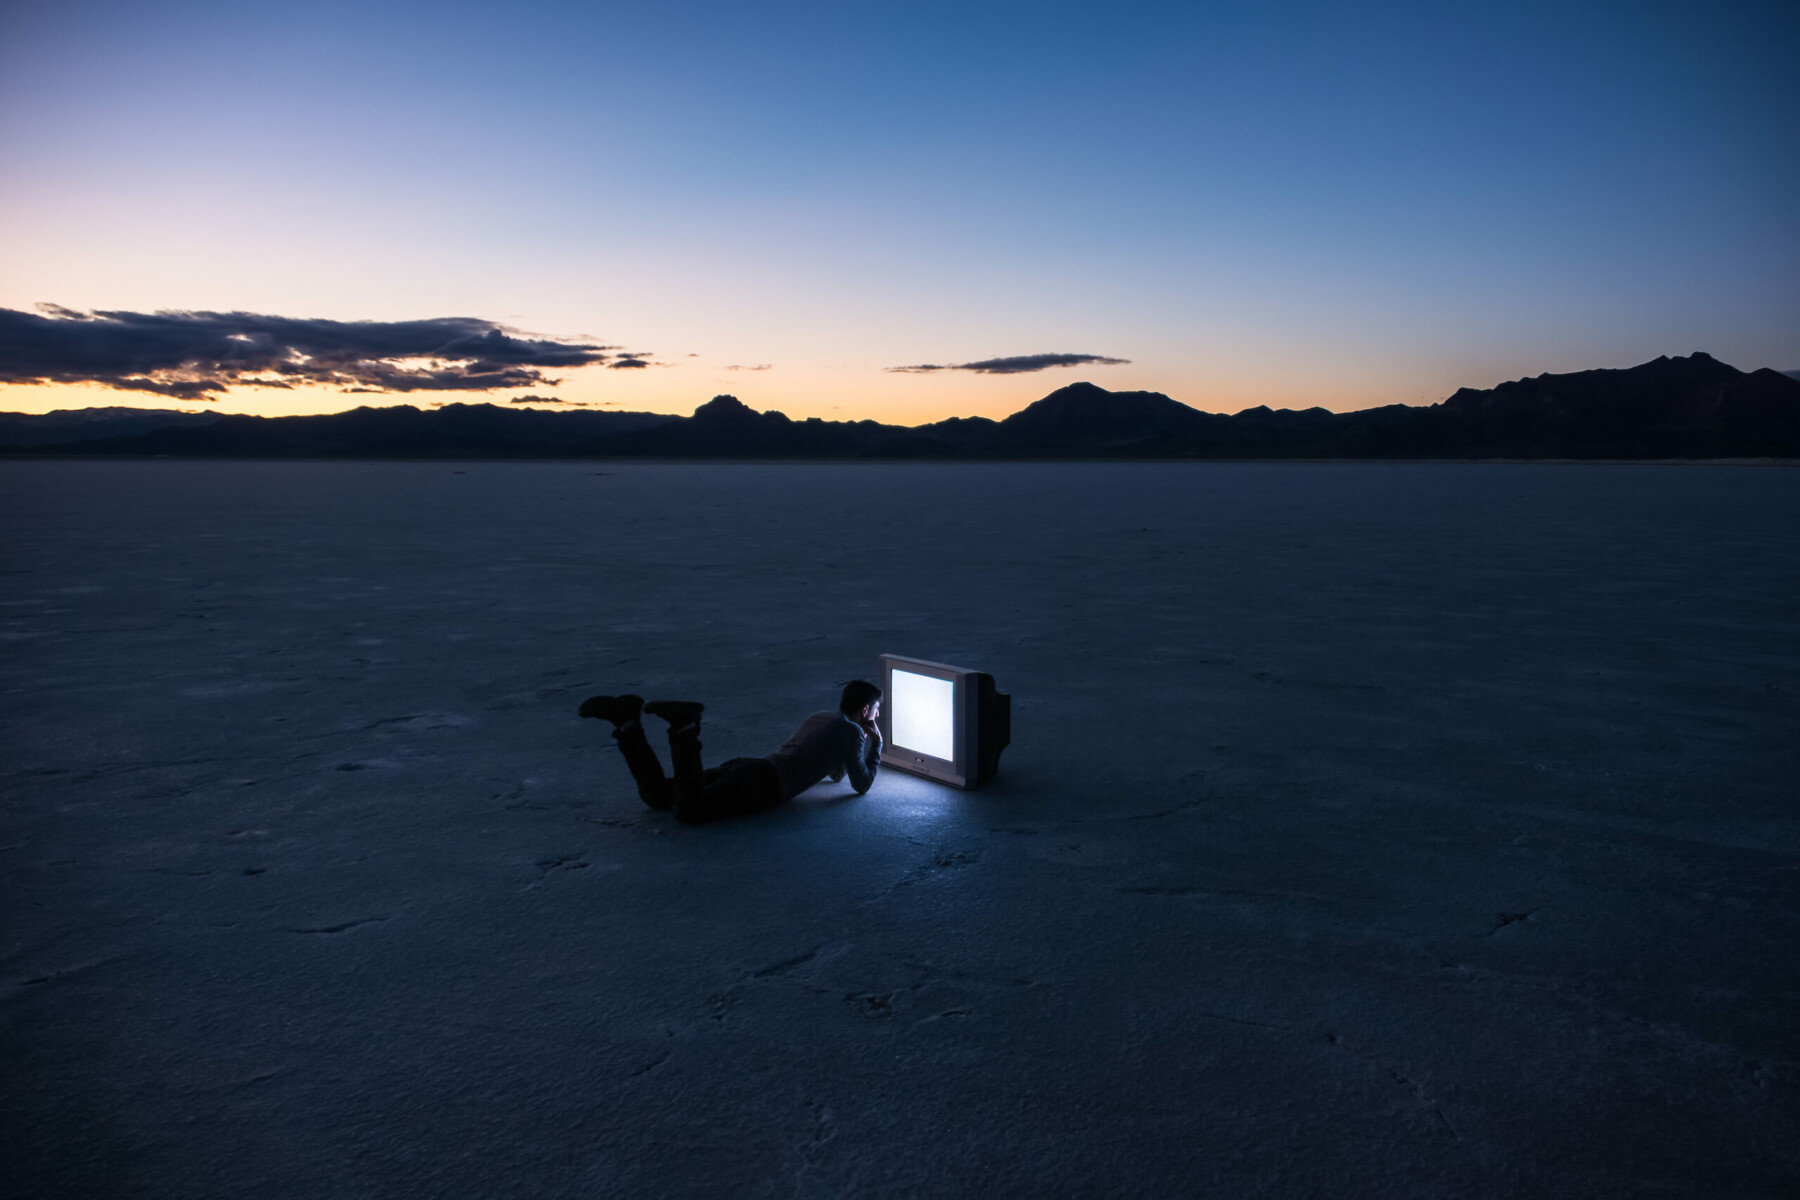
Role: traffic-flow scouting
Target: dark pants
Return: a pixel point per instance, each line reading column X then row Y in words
column 697, row 794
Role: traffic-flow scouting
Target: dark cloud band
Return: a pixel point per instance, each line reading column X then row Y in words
column 1018, row 365
column 194, row 355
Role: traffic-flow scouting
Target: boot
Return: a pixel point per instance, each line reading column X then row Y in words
column 678, row 713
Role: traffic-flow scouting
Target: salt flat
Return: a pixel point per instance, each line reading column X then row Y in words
column 1373, row 830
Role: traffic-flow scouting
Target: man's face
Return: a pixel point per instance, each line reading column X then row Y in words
column 871, row 712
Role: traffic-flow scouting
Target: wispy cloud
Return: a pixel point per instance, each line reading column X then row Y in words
column 757, row 367
column 195, row 355
column 1017, row 365
column 549, row 400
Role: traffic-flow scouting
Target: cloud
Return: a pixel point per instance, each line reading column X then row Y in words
column 630, row 360
column 1018, row 365
column 195, row 355
column 757, row 367
column 548, row 400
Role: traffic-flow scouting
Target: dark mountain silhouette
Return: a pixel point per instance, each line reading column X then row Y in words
column 399, row 431
column 1092, row 415
column 87, row 424
column 1685, row 407
column 1693, row 407
column 726, row 427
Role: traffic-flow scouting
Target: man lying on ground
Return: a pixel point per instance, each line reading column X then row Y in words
column 834, row 744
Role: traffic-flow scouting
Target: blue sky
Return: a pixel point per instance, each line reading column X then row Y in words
column 1285, row 204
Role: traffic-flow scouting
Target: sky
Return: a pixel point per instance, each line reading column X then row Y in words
column 641, row 205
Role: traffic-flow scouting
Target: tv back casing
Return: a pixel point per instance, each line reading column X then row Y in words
column 982, row 717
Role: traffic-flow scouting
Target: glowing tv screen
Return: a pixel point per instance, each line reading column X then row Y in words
column 943, row 722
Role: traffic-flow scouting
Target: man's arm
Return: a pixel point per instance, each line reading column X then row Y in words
column 864, row 758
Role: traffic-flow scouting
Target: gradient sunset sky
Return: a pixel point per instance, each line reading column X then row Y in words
column 1284, row 204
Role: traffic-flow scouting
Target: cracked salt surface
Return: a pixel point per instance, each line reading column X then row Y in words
column 1367, row 831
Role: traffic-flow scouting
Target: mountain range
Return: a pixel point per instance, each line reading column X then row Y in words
column 1680, row 408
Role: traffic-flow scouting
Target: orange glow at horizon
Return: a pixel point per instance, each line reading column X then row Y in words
column 833, row 394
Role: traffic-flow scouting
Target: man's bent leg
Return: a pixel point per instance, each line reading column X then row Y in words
column 654, row 788
column 690, row 777
column 741, row 787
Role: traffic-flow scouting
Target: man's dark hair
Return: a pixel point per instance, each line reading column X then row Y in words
column 858, row 694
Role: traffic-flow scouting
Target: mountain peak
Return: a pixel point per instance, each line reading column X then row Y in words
column 1082, row 390
column 1086, row 411
column 723, row 408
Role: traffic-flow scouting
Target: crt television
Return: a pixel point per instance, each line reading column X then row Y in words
column 945, row 723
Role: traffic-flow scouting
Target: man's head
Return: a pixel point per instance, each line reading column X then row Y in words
column 859, row 696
